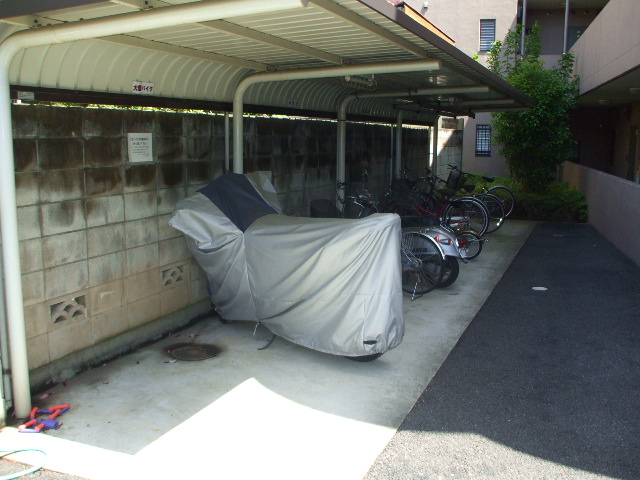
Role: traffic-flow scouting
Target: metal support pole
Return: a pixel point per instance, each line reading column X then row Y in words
column 307, row 74
column 391, row 153
column 524, row 25
column 566, row 26
column 433, row 164
column 398, row 162
column 68, row 32
column 226, row 143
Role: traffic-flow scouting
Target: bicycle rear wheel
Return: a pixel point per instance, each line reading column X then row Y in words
column 422, row 263
column 451, row 272
column 496, row 210
column 469, row 245
column 466, row 213
column 507, row 197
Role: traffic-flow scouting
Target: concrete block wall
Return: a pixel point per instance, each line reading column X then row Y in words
column 98, row 258
column 99, row 261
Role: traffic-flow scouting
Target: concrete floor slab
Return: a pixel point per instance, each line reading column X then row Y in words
column 286, row 412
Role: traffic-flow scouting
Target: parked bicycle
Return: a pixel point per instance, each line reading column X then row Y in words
column 505, row 194
column 456, row 182
column 429, row 254
column 422, row 262
column 454, row 248
column 359, row 205
column 420, row 197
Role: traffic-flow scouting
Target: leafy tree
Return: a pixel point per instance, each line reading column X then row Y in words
column 536, row 141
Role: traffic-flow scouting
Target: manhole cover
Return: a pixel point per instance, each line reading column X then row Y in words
column 194, row 352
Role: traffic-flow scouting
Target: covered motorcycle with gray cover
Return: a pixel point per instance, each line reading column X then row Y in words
column 332, row 285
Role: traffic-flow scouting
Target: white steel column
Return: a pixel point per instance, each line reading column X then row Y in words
column 342, row 139
column 524, row 25
column 565, row 32
column 226, row 143
column 433, row 161
column 326, row 72
column 392, row 149
column 11, row 251
column 66, row 32
column 397, row 165
column 398, row 159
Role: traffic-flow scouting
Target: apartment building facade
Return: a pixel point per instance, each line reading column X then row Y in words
column 605, row 125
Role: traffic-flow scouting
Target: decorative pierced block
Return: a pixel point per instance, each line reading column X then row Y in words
column 173, row 275
column 73, row 309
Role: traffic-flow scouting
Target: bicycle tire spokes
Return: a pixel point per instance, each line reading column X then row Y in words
column 422, row 263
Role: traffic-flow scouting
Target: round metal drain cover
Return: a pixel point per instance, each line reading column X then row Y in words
column 194, row 352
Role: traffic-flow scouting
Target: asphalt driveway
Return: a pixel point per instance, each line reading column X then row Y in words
column 545, row 381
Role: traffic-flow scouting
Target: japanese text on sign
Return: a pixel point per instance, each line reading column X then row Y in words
column 140, row 147
column 142, row 88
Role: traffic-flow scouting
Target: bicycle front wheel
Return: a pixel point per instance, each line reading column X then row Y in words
column 466, row 213
column 506, row 196
column 422, row 263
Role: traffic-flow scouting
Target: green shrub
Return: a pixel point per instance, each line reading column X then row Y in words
column 559, row 203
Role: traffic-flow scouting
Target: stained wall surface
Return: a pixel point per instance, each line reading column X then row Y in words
column 99, row 261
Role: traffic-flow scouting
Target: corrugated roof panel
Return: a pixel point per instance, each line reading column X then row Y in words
column 318, row 29
column 207, row 60
column 211, row 40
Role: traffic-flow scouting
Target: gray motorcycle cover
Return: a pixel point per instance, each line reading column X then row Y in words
column 332, row 285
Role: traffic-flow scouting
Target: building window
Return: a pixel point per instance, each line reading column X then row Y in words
column 487, row 34
column 483, row 140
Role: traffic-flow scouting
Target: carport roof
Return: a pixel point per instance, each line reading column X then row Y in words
column 204, row 61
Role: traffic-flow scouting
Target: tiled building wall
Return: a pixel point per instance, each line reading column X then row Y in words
column 98, row 258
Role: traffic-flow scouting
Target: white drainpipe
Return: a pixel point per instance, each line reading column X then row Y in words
column 326, row 72
column 67, row 32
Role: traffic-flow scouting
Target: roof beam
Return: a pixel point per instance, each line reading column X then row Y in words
column 187, row 52
column 369, row 26
column 135, row 4
column 15, row 8
column 30, row 21
column 238, row 30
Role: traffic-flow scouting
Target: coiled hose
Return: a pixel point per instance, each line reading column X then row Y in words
column 28, row 470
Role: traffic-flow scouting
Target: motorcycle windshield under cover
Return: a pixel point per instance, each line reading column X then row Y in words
column 332, row 285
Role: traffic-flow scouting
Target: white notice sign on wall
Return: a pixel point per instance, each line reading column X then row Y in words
column 140, row 147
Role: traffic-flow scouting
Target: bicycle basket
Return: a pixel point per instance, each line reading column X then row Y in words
column 424, row 186
column 455, row 180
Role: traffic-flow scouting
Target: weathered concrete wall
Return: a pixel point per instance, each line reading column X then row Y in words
column 101, row 268
column 98, row 258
